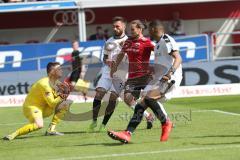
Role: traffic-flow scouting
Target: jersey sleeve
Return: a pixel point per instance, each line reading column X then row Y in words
column 171, row 44
column 107, row 47
column 105, row 52
column 150, row 45
column 175, row 46
column 48, row 94
column 126, row 45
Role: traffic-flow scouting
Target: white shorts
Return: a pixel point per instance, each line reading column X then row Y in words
column 158, row 84
column 111, row 84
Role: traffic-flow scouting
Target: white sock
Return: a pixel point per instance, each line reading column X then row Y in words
column 146, row 114
column 162, row 108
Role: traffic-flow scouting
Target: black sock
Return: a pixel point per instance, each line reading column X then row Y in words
column 136, row 118
column 156, row 109
column 109, row 111
column 96, row 107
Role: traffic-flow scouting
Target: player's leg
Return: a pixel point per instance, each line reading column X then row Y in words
column 103, row 86
column 74, row 76
column 83, row 87
column 125, row 136
column 136, row 119
column 59, row 114
column 109, row 110
column 132, row 93
column 116, row 89
column 34, row 115
column 151, row 100
column 155, row 93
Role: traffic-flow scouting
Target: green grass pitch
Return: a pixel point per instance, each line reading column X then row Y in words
column 205, row 128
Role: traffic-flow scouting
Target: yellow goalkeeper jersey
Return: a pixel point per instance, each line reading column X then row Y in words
column 42, row 95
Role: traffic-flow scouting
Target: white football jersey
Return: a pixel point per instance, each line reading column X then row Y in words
column 163, row 50
column 112, row 48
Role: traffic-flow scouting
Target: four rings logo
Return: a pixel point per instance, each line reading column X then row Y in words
column 71, row 17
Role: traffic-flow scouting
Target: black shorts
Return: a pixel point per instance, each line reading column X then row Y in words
column 135, row 85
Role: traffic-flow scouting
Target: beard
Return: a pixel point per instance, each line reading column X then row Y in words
column 118, row 34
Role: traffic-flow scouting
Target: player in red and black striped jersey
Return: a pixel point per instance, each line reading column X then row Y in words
column 138, row 49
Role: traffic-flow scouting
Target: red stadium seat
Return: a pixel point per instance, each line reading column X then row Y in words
column 235, row 40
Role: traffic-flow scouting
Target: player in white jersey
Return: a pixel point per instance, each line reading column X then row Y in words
column 167, row 76
column 111, row 48
column 168, row 68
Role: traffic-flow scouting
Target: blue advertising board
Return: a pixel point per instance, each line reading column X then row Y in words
column 193, row 47
column 25, row 52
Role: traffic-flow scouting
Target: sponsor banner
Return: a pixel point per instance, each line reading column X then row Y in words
column 216, row 72
column 207, row 90
column 18, row 100
column 61, row 52
column 15, row 83
column 181, row 92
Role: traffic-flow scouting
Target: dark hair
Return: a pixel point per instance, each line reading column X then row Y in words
column 74, row 41
column 50, row 65
column 118, row 18
column 140, row 24
column 155, row 23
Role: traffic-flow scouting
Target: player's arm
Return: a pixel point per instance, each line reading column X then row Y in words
column 49, row 97
column 174, row 52
column 105, row 57
column 106, row 53
column 176, row 63
column 177, row 60
column 151, row 46
column 119, row 58
column 115, row 64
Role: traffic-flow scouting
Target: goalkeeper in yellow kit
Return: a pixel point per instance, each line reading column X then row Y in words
column 47, row 96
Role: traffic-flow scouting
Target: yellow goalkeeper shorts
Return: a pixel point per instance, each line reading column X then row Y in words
column 34, row 112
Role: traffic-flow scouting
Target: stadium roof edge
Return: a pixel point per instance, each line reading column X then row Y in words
column 122, row 3
column 74, row 4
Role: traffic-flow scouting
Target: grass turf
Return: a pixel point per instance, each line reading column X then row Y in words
column 197, row 135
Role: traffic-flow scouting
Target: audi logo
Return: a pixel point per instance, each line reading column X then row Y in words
column 71, row 17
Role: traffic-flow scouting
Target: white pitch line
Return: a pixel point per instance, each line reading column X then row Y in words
column 218, row 111
column 150, row 152
column 224, row 112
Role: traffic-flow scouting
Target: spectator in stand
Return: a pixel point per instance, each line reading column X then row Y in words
column 99, row 35
column 106, row 34
column 176, row 25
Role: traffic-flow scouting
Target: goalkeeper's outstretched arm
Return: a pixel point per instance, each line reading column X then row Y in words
column 50, row 98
